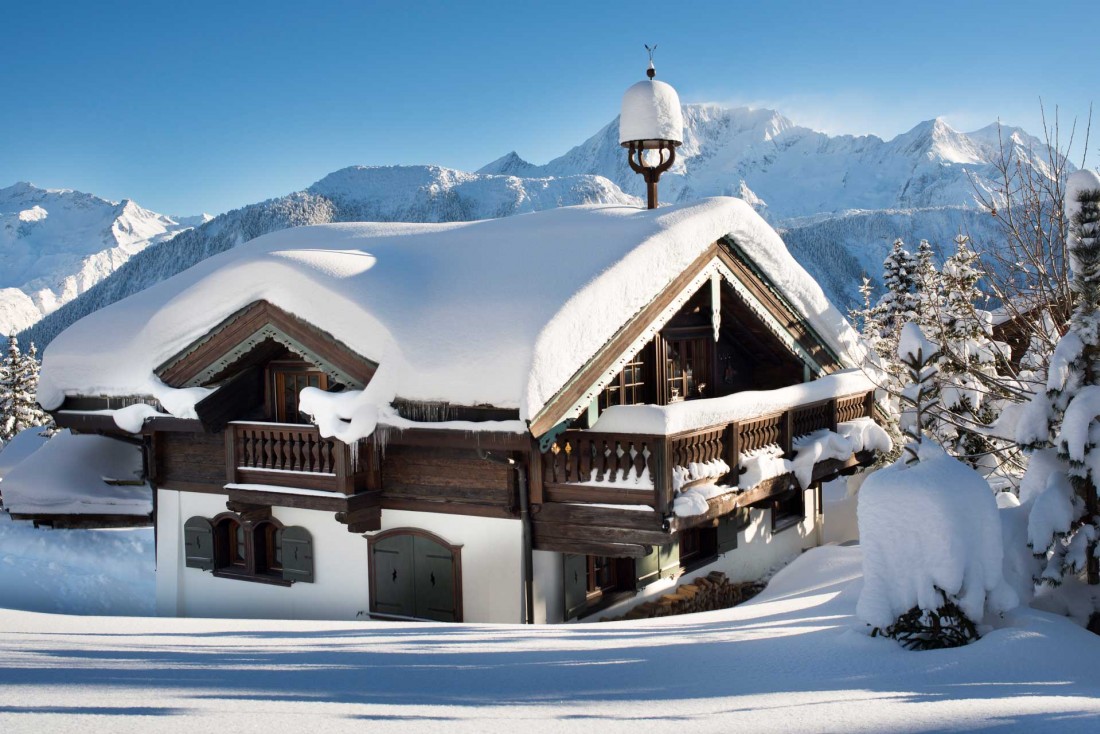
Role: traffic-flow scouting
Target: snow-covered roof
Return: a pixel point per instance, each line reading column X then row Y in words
column 651, row 111
column 79, row 475
column 501, row 312
column 19, row 447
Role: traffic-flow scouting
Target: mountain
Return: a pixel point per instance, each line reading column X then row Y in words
column 56, row 244
column 839, row 201
column 357, row 193
column 800, row 172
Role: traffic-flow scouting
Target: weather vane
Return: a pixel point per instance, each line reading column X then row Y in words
column 651, row 71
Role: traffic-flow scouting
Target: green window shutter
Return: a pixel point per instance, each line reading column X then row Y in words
column 576, row 583
column 394, row 578
column 435, row 580
column 297, row 553
column 198, row 543
column 728, row 527
column 647, row 568
column 669, row 559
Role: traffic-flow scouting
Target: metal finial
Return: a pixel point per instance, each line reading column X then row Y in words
column 651, row 71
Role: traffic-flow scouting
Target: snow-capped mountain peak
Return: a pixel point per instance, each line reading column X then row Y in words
column 57, row 243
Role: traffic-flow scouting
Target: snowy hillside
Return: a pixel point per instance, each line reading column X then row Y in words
column 795, row 658
column 357, row 193
column 56, row 243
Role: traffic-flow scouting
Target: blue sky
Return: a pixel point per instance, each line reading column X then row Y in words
column 206, row 106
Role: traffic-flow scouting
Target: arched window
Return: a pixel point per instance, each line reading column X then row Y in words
column 268, row 539
column 237, row 547
column 230, row 543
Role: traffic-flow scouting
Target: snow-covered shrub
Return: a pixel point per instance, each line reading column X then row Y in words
column 932, row 551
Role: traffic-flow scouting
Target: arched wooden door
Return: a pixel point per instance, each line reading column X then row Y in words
column 415, row 574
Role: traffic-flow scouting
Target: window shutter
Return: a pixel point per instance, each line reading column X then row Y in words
column 669, row 559
column 297, row 554
column 198, row 543
column 728, row 527
column 647, row 569
column 576, row 583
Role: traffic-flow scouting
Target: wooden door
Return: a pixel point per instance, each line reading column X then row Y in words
column 412, row 575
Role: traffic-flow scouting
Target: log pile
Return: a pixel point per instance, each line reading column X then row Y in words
column 703, row 594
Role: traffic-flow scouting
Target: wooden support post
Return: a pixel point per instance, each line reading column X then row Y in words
column 834, row 418
column 342, row 461
column 662, row 475
column 788, row 433
column 733, row 449
column 231, row 461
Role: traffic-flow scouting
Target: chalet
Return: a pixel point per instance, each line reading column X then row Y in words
column 520, row 420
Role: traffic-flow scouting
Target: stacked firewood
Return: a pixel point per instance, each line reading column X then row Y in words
column 703, row 594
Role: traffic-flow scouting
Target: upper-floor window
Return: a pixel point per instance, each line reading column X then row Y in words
column 286, row 380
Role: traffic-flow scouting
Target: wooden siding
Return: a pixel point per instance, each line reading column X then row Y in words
column 190, row 461
column 453, row 480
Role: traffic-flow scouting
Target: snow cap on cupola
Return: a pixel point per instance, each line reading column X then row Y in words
column 651, row 113
column 651, row 126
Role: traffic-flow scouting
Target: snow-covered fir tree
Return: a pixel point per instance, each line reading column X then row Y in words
column 18, row 387
column 1060, row 425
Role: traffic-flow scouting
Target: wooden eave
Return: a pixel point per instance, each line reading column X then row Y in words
column 726, row 252
column 214, row 353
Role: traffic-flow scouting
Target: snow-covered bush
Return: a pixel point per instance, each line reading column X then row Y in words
column 932, row 551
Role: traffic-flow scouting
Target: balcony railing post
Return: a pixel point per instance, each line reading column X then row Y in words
column 787, row 438
column 341, row 468
column 231, row 459
column 733, row 449
column 833, row 415
column 662, row 474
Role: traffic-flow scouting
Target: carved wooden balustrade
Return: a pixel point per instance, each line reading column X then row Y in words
column 638, row 469
column 286, row 455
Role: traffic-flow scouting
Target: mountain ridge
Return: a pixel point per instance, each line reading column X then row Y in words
column 839, row 200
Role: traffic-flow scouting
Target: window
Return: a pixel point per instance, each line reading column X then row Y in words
column 788, row 509
column 285, row 384
column 236, row 547
column 687, row 359
column 629, row 386
column 595, row 581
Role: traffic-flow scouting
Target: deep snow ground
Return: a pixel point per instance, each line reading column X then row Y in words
column 793, row 659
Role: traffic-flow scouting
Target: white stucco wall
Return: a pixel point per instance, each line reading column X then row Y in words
column 339, row 590
column 491, row 566
column 549, row 591
column 492, row 560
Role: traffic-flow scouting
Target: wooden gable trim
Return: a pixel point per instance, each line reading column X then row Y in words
column 583, row 380
column 766, row 294
column 214, row 352
column 807, row 344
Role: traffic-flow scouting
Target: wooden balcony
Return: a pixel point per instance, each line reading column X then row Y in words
column 297, row 457
column 584, row 471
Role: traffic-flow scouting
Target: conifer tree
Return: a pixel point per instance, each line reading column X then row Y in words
column 18, row 387
column 1061, row 422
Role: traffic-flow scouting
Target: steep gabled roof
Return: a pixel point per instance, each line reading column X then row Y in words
column 502, row 312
